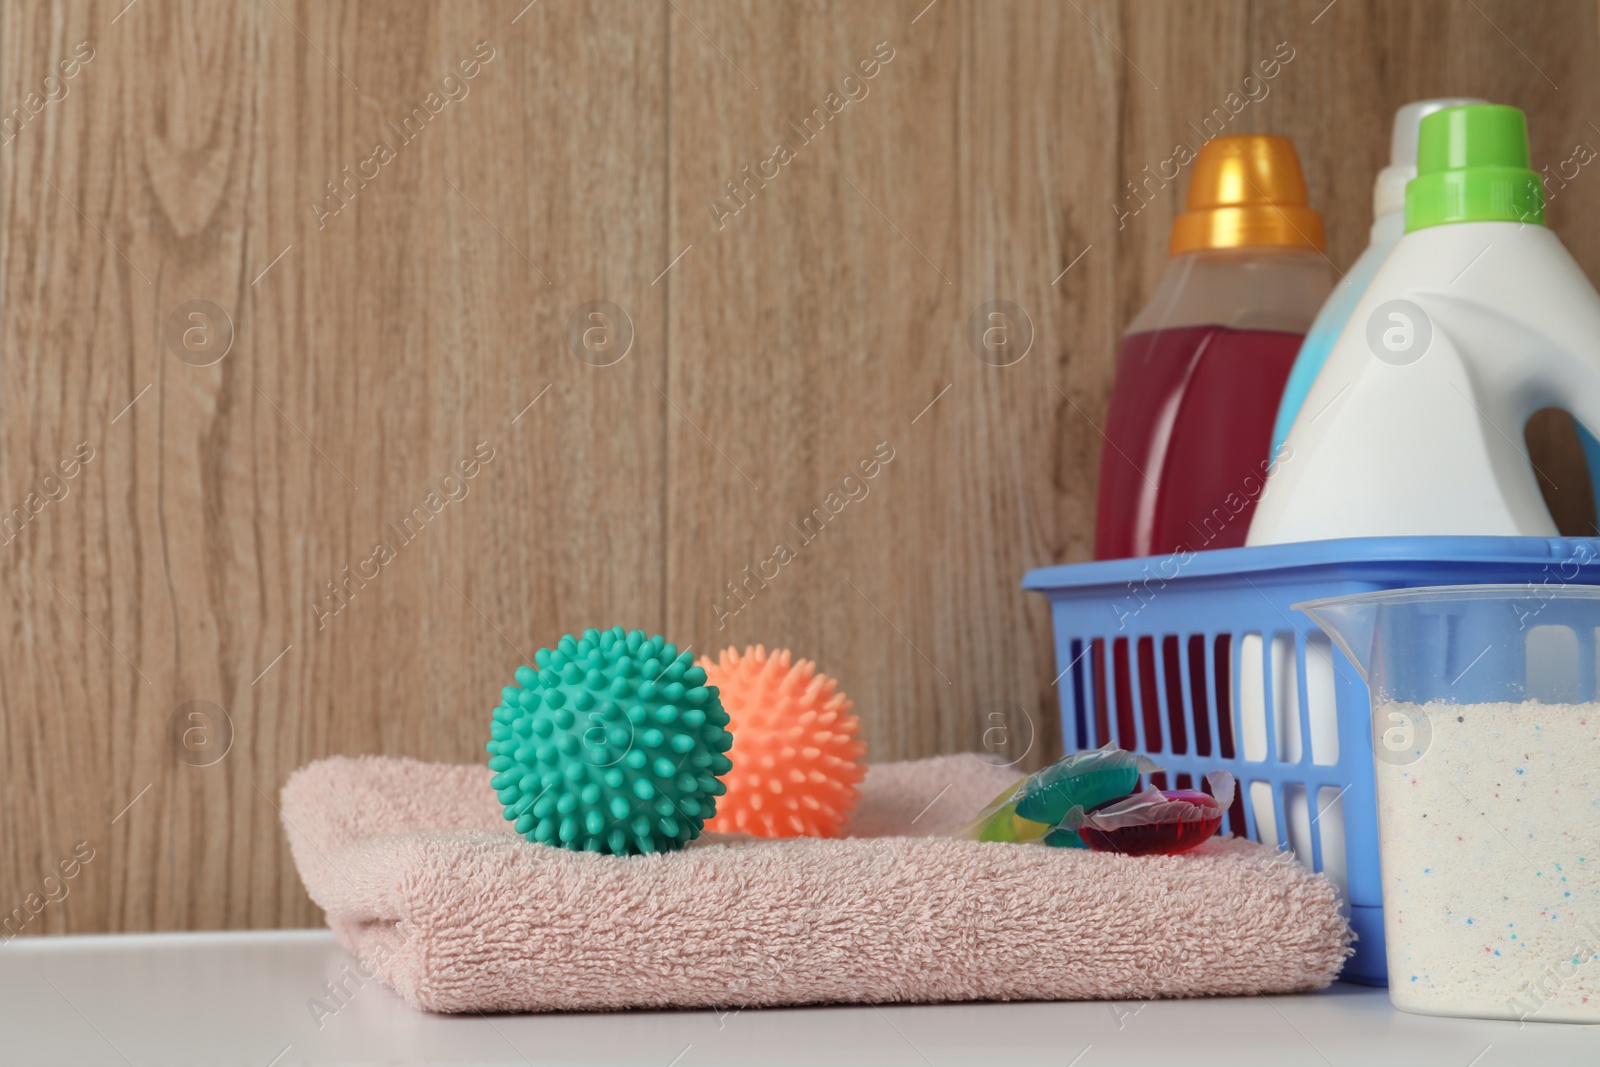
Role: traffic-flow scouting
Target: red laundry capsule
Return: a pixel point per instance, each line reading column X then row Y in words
column 1156, row 821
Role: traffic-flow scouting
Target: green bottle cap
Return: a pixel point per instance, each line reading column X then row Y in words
column 1472, row 166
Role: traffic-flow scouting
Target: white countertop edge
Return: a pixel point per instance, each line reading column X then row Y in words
column 43, row 944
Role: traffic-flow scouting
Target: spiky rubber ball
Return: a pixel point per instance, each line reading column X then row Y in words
column 795, row 752
column 614, row 744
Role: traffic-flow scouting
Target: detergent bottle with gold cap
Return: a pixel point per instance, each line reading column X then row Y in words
column 1201, row 369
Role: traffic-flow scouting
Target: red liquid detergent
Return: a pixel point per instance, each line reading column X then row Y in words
column 1156, row 821
column 1187, row 438
column 1154, row 839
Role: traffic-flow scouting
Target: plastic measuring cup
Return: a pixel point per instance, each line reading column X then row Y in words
column 1486, row 740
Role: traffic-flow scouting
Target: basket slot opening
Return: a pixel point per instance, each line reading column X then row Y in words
column 1552, row 665
column 1097, row 676
column 1588, row 665
column 1286, row 698
column 1238, row 818
column 1080, row 709
column 1297, row 816
column 1199, row 701
column 1329, row 821
column 1322, row 702
column 1177, row 698
column 1122, row 695
column 1254, row 685
column 1264, row 807
column 1149, row 699
column 1222, row 655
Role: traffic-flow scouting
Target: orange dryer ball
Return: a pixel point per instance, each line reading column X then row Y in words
column 795, row 751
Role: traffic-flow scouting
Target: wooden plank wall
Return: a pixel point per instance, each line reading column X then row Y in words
column 396, row 224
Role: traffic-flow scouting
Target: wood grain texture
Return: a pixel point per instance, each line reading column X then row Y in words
column 421, row 310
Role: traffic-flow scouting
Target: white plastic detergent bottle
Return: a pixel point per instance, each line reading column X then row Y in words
column 1388, row 225
column 1478, row 318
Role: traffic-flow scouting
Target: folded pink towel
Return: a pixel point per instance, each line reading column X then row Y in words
column 426, row 884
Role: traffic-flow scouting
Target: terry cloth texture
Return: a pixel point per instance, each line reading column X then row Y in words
column 427, row 885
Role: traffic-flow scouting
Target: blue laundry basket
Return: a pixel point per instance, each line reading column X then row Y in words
column 1200, row 661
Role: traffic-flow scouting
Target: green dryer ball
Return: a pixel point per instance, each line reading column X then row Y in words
column 614, row 744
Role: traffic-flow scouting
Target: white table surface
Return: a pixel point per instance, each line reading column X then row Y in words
column 241, row 998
